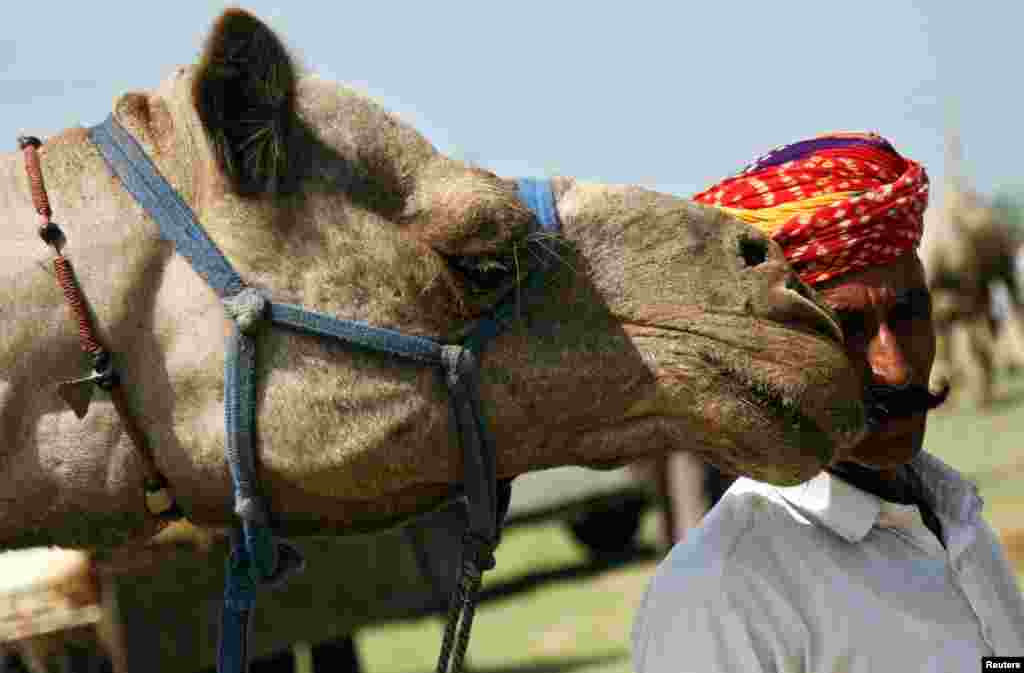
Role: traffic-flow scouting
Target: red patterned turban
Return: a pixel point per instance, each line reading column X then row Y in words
column 835, row 203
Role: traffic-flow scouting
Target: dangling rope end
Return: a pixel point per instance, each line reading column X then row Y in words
column 160, row 501
column 480, row 551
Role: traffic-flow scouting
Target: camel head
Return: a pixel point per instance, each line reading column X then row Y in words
column 659, row 325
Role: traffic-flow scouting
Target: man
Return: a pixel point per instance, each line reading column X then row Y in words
column 882, row 562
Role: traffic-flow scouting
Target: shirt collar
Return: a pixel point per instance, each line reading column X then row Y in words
column 835, row 504
column 851, row 512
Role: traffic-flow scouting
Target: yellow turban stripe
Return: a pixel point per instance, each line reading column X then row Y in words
column 770, row 220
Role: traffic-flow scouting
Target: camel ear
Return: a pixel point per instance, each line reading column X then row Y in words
column 244, row 92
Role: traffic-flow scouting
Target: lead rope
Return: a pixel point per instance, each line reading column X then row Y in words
column 159, row 500
column 485, row 513
column 479, row 481
column 461, row 611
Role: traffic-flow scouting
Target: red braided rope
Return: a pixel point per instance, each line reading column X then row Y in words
column 159, row 500
column 66, row 279
column 62, row 267
column 35, row 179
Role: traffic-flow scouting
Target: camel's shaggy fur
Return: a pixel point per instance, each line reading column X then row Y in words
column 654, row 332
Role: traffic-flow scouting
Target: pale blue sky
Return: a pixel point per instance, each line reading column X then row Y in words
column 672, row 96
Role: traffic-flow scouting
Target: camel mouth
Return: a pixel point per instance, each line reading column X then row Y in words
column 783, row 400
column 829, row 420
column 789, row 412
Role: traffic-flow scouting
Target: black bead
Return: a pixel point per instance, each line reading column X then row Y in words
column 51, row 233
column 101, row 361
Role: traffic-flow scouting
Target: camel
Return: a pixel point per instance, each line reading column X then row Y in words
column 968, row 247
column 663, row 325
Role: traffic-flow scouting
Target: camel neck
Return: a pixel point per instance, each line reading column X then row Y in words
column 15, row 197
column 58, row 156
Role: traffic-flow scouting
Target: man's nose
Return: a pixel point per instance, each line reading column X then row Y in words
column 887, row 360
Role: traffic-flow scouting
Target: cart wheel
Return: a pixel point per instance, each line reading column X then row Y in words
column 609, row 530
column 339, row 655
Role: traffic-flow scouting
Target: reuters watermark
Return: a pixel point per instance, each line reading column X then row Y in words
column 1002, row 664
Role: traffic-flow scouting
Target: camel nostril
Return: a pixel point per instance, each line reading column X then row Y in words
column 753, row 251
column 794, row 302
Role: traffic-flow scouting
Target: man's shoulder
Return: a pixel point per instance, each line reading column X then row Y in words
column 727, row 574
column 749, row 527
column 950, row 493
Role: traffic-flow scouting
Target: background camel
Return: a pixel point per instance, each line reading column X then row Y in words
column 969, row 246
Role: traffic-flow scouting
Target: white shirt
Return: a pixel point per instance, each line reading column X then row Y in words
column 826, row 578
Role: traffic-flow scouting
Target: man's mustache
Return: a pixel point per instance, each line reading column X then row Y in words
column 888, row 402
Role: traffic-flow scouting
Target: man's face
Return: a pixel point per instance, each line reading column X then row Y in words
column 885, row 313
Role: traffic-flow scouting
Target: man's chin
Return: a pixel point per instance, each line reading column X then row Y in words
column 899, row 430
column 894, row 443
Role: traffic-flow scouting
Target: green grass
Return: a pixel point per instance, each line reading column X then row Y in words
column 583, row 625
column 569, row 625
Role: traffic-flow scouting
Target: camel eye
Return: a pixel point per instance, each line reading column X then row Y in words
column 753, row 251
column 484, row 274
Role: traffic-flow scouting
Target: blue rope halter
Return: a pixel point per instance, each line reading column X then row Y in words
column 258, row 558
